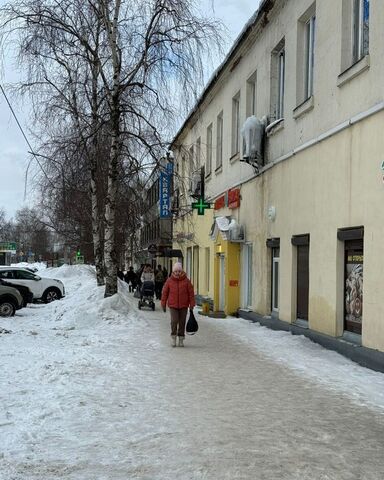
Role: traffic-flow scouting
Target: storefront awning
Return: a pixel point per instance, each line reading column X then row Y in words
column 173, row 253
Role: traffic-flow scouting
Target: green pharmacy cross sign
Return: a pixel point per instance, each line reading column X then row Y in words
column 200, row 206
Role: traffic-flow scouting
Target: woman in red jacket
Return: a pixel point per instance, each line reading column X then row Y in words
column 178, row 292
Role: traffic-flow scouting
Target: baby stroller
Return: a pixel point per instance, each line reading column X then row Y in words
column 147, row 294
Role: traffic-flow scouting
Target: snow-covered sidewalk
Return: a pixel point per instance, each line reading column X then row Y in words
column 91, row 390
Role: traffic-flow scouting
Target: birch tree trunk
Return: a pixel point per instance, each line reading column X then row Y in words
column 110, row 212
column 97, row 209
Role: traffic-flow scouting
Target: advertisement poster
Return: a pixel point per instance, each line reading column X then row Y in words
column 354, row 292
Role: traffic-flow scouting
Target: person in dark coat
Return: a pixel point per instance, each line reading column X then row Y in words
column 159, row 282
column 165, row 273
column 120, row 274
column 178, row 294
column 131, row 278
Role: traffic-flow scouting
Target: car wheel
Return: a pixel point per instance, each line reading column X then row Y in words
column 7, row 309
column 51, row 295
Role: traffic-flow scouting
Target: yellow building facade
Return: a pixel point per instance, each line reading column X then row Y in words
column 297, row 237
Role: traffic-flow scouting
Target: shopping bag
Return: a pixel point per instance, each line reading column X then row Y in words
column 192, row 325
column 137, row 293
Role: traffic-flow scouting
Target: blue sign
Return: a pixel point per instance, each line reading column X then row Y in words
column 165, row 191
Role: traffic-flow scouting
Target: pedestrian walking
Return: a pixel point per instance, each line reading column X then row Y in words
column 120, row 274
column 131, row 278
column 165, row 273
column 159, row 282
column 178, row 294
column 147, row 275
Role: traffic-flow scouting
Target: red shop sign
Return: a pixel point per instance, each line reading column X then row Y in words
column 220, row 202
column 234, row 198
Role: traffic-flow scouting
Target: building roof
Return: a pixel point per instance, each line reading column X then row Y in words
column 264, row 8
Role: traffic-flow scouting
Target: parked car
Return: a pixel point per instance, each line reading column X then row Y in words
column 10, row 301
column 32, row 269
column 45, row 289
column 24, row 291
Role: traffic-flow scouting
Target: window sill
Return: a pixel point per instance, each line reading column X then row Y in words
column 208, row 177
column 275, row 127
column 219, row 169
column 234, row 157
column 304, row 107
column 359, row 67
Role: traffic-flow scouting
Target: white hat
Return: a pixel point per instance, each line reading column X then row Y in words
column 177, row 266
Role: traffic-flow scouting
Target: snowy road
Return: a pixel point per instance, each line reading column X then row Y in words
column 95, row 392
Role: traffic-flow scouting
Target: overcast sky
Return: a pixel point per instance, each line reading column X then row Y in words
column 13, row 148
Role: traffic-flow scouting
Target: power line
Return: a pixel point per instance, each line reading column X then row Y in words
column 29, row 145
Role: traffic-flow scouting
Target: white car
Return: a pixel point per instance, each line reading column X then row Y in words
column 45, row 289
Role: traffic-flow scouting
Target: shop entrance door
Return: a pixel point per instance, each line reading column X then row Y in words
column 222, row 283
column 302, row 281
column 353, row 286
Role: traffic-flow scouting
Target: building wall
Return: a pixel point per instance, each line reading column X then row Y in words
column 323, row 161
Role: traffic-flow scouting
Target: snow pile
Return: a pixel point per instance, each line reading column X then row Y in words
column 70, row 271
column 38, row 265
column 84, row 305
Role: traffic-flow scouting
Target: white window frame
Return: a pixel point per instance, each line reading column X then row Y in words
column 191, row 159
column 235, row 125
column 208, row 164
column 251, row 95
column 281, row 84
column 360, row 29
column 247, row 275
column 188, row 269
column 198, row 152
column 275, row 271
column 219, row 141
column 207, row 267
column 310, row 31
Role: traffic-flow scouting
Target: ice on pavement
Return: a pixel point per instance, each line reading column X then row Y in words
column 91, row 389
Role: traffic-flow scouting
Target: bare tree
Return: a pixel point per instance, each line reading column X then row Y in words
column 134, row 54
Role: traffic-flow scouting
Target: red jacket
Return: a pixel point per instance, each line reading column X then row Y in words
column 178, row 292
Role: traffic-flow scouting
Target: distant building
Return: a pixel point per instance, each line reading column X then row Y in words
column 7, row 252
column 155, row 235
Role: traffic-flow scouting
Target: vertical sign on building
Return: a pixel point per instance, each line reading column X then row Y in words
column 165, row 191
